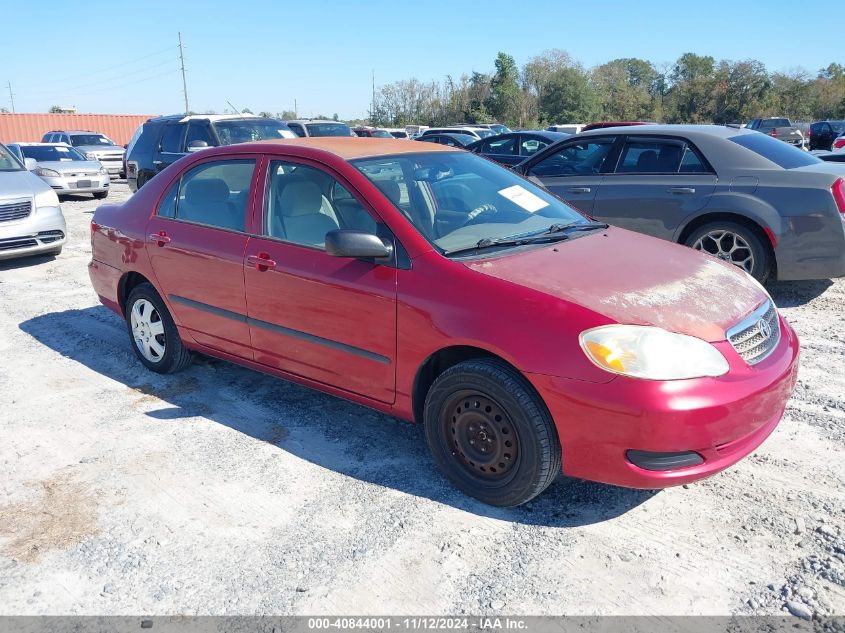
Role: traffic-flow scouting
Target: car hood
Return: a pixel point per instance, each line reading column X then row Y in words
column 635, row 279
column 71, row 166
column 97, row 149
column 20, row 184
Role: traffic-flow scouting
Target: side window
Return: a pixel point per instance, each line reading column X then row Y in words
column 692, row 163
column 199, row 135
column 171, row 140
column 216, row 194
column 296, row 128
column 575, row 159
column 531, row 146
column 650, row 157
column 167, row 206
column 500, row 146
column 303, row 203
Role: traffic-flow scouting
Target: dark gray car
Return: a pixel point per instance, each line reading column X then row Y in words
column 770, row 208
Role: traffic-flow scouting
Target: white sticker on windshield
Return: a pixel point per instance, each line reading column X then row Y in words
column 524, row 198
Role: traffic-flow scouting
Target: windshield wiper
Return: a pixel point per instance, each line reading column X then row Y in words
column 554, row 233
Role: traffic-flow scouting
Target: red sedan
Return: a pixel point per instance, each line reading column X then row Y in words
column 431, row 284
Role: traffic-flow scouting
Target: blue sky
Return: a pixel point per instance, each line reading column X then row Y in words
column 106, row 59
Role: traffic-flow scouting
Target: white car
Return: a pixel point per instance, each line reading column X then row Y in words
column 475, row 132
column 838, row 144
column 64, row 168
column 31, row 220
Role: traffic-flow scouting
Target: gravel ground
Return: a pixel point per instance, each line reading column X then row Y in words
column 220, row 490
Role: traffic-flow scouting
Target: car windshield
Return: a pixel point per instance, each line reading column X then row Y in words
column 483, row 133
column 246, row 131
column 328, row 129
column 382, row 134
column 780, row 153
column 45, row 153
column 456, row 199
column 498, row 128
column 838, row 126
column 8, row 161
column 78, row 140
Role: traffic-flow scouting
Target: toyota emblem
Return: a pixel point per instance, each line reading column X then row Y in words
column 764, row 328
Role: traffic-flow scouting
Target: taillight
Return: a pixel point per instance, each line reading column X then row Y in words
column 839, row 143
column 838, row 191
column 774, row 133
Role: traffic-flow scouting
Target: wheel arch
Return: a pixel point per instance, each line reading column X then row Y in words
column 127, row 283
column 443, row 359
column 760, row 228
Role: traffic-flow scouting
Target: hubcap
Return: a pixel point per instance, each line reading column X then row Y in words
column 480, row 435
column 147, row 330
column 727, row 246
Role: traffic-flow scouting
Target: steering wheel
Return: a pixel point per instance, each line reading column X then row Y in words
column 483, row 209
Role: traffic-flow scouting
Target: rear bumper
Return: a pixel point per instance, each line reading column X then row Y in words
column 720, row 419
column 44, row 230
column 106, row 282
column 813, row 247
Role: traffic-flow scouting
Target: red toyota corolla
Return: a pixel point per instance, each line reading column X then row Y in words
column 434, row 285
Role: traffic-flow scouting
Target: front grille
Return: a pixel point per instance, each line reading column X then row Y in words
column 15, row 210
column 757, row 335
column 17, row 242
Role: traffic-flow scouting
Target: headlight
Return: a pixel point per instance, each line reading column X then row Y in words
column 43, row 171
column 90, row 156
column 46, row 198
column 651, row 353
column 103, row 171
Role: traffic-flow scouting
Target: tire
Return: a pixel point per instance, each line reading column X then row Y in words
column 506, row 418
column 101, row 195
column 745, row 242
column 167, row 354
column 56, row 252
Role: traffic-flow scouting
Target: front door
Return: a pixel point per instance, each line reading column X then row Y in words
column 325, row 318
column 657, row 184
column 196, row 243
column 574, row 170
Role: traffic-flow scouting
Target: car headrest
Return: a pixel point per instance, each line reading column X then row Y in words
column 647, row 161
column 390, row 188
column 300, row 198
column 207, row 190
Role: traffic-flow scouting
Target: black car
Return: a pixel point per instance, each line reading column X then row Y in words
column 452, row 140
column 515, row 147
column 823, row 133
column 162, row 141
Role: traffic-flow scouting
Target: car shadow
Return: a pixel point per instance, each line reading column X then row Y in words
column 791, row 294
column 25, row 262
column 324, row 430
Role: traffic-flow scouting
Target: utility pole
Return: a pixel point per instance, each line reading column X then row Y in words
column 373, row 106
column 295, row 111
column 184, row 83
column 11, row 95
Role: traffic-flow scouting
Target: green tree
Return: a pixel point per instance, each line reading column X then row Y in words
column 690, row 98
column 568, row 97
column 504, row 90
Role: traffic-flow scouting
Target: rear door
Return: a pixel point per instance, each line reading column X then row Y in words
column 656, row 184
column 329, row 319
column 575, row 169
column 170, row 146
column 196, row 242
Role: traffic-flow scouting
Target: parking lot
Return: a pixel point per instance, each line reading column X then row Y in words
column 221, row 490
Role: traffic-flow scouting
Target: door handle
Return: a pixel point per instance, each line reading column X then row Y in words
column 681, row 190
column 579, row 190
column 161, row 238
column 262, row 261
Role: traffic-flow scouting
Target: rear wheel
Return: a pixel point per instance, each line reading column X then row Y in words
column 734, row 243
column 153, row 333
column 490, row 434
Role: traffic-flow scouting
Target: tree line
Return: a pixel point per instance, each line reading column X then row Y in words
column 554, row 88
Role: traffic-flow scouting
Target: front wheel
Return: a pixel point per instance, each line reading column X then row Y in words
column 100, row 195
column 153, row 333
column 490, row 433
column 734, row 243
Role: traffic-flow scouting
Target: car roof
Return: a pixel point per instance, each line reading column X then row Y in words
column 350, row 147
column 30, row 144
column 634, row 130
column 182, row 118
column 303, row 121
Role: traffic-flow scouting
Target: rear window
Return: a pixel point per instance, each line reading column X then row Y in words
column 775, row 123
column 780, row 153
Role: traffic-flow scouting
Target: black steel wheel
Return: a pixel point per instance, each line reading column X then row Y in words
column 490, row 433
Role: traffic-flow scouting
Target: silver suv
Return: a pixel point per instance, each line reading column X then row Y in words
column 93, row 145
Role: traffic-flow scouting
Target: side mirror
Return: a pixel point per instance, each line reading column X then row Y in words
column 30, row 164
column 351, row 243
column 195, row 146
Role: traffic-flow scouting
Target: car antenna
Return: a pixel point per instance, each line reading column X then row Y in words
column 233, row 107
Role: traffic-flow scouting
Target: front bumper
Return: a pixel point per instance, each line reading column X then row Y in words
column 75, row 184
column 44, row 230
column 721, row 419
